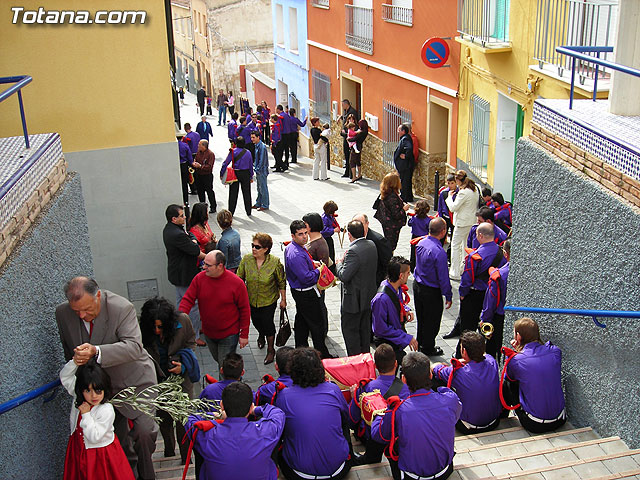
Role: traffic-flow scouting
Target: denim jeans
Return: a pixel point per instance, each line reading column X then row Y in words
column 221, row 347
column 263, row 191
column 194, row 314
column 222, row 111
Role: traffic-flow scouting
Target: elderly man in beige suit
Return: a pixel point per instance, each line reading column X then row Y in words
column 99, row 323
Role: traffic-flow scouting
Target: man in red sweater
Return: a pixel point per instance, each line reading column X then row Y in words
column 224, row 306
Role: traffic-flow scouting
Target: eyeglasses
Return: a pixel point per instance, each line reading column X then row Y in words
column 256, row 247
column 207, row 265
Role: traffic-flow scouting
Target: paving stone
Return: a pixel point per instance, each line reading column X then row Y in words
column 485, row 454
column 537, row 445
column 615, row 447
column 561, row 474
column 529, row 463
column 462, row 459
column 561, row 457
column 511, row 449
column 500, row 468
column 584, row 436
column 622, row 464
column 516, row 434
column 564, row 440
column 589, row 451
column 591, row 470
column 489, row 439
column 373, row 472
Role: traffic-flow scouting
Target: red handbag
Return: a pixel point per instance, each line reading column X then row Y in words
column 326, row 278
column 229, row 176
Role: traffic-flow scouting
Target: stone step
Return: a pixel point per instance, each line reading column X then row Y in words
column 174, row 471
column 600, row 466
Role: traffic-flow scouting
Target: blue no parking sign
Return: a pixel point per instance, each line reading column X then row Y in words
column 435, row 52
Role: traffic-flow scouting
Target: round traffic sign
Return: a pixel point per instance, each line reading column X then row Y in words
column 435, row 52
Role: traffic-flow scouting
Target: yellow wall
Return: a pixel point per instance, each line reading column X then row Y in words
column 99, row 86
column 486, row 74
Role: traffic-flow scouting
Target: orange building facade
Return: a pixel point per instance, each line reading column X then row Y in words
column 370, row 53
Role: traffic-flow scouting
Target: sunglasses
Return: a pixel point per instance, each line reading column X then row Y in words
column 256, row 247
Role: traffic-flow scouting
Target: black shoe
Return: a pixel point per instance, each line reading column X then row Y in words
column 345, row 176
column 213, row 210
column 436, row 352
column 357, row 459
column 455, row 332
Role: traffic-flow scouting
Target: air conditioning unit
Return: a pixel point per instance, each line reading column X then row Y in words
column 372, row 120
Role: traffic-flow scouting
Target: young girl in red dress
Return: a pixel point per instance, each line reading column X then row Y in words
column 93, row 451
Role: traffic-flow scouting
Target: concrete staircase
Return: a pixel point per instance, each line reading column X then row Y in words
column 508, row 452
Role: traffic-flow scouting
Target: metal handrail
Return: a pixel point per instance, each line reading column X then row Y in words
column 20, row 81
column 27, row 397
column 578, row 53
column 594, row 314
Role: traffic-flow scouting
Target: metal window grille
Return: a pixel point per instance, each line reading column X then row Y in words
column 321, row 85
column 478, row 141
column 359, row 28
column 589, row 23
column 397, row 14
column 484, row 21
column 392, row 116
column 320, row 3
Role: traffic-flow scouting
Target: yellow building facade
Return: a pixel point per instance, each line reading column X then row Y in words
column 106, row 89
column 507, row 60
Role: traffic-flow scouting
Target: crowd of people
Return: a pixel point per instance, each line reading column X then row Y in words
column 219, row 293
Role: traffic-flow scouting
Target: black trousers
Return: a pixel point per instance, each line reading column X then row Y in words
column 347, row 155
column 167, row 430
column 252, row 148
column 293, row 146
column 204, row 184
column 308, row 320
column 412, row 260
column 332, row 253
column 470, row 310
column 286, row 141
column 244, row 182
column 356, row 331
column 289, row 474
column 395, row 471
column 184, row 181
column 495, row 342
column 511, row 391
column 262, row 318
column 278, row 150
column 201, row 105
column 406, row 181
column 138, row 443
column 429, row 307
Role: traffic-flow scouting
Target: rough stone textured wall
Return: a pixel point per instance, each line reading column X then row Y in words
column 374, row 167
column 575, row 245
column 34, row 435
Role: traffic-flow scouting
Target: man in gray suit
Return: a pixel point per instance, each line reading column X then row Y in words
column 357, row 271
column 99, row 323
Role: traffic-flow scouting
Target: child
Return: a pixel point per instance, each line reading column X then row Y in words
column 351, row 136
column 330, row 227
column 232, row 371
column 93, row 451
column 419, row 224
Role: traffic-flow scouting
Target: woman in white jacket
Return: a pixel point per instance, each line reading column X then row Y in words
column 464, row 209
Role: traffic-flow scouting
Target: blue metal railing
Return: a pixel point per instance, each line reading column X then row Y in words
column 20, row 81
column 594, row 314
column 579, row 53
column 27, row 397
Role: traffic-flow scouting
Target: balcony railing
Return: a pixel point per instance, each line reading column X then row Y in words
column 320, row 3
column 484, row 21
column 397, row 14
column 359, row 28
column 586, row 23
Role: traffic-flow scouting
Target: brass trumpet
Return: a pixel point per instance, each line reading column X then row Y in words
column 486, row 329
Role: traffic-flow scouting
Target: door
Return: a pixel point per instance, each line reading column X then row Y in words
column 506, row 138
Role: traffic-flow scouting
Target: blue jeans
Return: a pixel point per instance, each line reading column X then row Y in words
column 221, row 347
column 194, row 314
column 222, row 111
column 263, row 191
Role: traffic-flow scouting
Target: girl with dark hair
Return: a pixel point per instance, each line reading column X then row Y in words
column 165, row 333
column 93, row 450
column 199, row 226
column 314, row 441
column 318, row 248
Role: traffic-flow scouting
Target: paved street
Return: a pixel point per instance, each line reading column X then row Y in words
column 293, row 194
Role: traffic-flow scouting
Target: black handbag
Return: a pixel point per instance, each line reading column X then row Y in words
column 284, row 330
column 376, row 204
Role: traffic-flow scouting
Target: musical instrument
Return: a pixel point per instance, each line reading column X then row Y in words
column 191, row 179
column 486, row 329
column 371, row 404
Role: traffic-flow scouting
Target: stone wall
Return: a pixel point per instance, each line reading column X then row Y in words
column 54, row 249
column 374, row 167
column 575, row 246
column 19, row 224
column 601, row 172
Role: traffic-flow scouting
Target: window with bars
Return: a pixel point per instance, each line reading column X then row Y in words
column 321, row 85
column 392, row 117
column 478, row 140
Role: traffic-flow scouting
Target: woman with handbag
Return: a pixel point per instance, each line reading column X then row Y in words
column 391, row 211
column 199, row 226
column 265, row 279
column 319, row 251
column 167, row 335
column 241, row 162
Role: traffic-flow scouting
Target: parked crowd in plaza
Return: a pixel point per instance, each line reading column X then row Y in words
column 220, row 293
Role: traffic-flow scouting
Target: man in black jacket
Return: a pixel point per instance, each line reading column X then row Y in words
column 347, row 109
column 183, row 254
column 404, row 162
column 200, row 95
column 383, row 247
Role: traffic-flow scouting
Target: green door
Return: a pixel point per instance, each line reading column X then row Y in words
column 519, row 129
